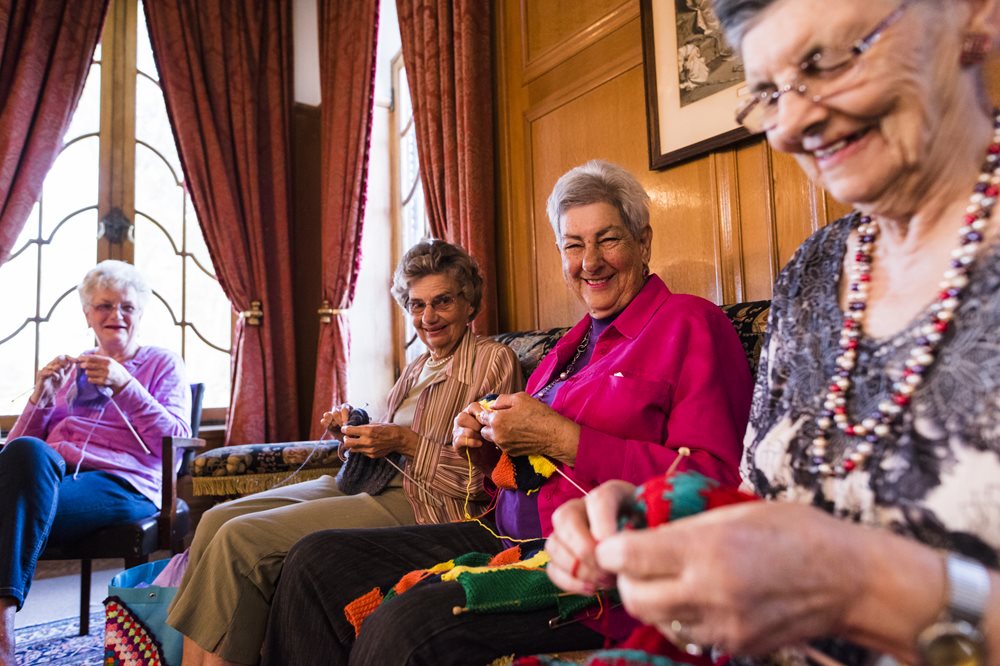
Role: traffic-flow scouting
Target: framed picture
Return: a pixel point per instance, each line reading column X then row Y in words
column 693, row 80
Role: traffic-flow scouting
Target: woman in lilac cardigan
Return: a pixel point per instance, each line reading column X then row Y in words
column 85, row 452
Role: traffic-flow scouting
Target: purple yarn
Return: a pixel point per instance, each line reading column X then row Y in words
column 88, row 395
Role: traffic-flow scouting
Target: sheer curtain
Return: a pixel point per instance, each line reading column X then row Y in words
column 45, row 53
column 347, row 41
column 446, row 48
column 226, row 73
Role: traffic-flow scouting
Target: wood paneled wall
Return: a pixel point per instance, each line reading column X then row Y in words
column 569, row 89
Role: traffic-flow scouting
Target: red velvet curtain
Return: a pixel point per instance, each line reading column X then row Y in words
column 226, row 71
column 347, row 37
column 446, row 49
column 45, row 53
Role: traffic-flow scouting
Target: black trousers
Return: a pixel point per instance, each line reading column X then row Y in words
column 327, row 570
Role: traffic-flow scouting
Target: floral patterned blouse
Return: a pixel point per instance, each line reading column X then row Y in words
column 939, row 481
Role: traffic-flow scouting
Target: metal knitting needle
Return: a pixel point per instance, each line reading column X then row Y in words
column 22, row 394
column 424, row 488
column 130, row 428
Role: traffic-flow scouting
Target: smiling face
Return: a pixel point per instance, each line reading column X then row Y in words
column 440, row 327
column 114, row 315
column 603, row 264
column 880, row 141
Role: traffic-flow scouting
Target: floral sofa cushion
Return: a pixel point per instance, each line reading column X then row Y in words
column 238, row 470
column 250, row 468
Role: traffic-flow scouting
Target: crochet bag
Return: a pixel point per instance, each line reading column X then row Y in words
column 135, row 628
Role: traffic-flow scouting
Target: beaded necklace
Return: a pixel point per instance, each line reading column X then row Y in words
column 570, row 367
column 883, row 422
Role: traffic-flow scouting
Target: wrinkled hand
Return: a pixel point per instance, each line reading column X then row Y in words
column 336, row 418
column 578, row 526
column 377, row 440
column 104, row 371
column 467, row 433
column 50, row 379
column 748, row 578
column 522, row 425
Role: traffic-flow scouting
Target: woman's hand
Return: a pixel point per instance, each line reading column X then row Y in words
column 336, row 418
column 377, row 440
column 50, row 379
column 578, row 526
column 749, row 578
column 104, row 371
column 522, row 425
column 467, row 433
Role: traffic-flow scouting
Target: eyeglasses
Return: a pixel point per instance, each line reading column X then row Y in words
column 440, row 303
column 105, row 309
column 824, row 73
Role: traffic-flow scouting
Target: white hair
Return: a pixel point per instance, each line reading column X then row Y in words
column 117, row 275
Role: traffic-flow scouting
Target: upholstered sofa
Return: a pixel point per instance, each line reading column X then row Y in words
column 239, row 470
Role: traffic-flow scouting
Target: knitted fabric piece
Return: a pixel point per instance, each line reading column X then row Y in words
column 524, row 473
column 361, row 474
column 87, row 395
column 361, row 608
column 127, row 640
column 656, row 502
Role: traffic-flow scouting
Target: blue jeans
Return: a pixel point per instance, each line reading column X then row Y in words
column 40, row 504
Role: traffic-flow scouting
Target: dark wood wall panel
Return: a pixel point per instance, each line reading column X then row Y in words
column 569, row 89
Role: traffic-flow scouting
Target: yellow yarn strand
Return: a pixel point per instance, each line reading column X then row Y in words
column 468, row 516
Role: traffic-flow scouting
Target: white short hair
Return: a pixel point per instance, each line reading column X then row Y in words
column 114, row 274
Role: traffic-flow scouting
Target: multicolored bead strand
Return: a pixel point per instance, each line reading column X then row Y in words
column 882, row 423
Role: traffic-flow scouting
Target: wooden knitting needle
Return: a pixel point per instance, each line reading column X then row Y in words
column 682, row 453
column 572, row 482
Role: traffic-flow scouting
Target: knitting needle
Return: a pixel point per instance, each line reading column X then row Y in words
column 682, row 453
column 130, row 428
column 434, row 497
column 572, row 482
column 22, row 394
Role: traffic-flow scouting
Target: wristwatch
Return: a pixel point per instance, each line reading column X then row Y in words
column 956, row 639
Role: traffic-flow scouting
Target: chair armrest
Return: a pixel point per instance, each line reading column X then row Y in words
column 168, row 504
column 183, row 443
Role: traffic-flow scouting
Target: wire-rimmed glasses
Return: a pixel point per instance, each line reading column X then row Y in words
column 824, row 73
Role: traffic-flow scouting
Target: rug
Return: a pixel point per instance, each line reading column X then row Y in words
column 57, row 643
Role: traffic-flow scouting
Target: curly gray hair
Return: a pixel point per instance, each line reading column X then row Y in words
column 598, row 181
column 117, row 275
column 437, row 257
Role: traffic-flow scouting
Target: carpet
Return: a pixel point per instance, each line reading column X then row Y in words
column 57, row 643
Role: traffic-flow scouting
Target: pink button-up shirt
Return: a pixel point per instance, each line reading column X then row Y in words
column 668, row 372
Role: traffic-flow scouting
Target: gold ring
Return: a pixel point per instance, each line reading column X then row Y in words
column 684, row 640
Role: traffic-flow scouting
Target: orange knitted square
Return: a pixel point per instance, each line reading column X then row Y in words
column 358, row 610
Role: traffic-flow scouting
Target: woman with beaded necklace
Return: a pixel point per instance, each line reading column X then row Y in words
column 876, row 418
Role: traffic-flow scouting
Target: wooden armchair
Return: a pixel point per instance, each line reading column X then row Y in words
column 135, row 541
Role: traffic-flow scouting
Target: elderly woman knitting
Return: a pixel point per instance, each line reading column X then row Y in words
column 240, row 547
column 875, row 427
column 645, row 375
column 85, row 453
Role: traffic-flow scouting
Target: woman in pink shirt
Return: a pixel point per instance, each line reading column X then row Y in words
column 644, row 374
column 85, row 452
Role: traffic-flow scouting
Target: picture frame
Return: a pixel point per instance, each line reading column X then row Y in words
column 691, row 90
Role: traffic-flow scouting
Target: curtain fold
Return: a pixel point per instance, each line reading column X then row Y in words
column 347, row 45
column 447, row 53
column 45, row 53
column 226, row 72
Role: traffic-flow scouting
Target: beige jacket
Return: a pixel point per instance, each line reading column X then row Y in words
column 479, row 366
